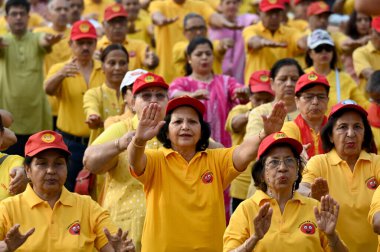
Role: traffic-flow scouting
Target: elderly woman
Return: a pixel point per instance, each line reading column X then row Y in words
column 321, row 58
column 348, row 171
column 312, row 96
column 276, row 208
column 184, row 181
column 47, row 217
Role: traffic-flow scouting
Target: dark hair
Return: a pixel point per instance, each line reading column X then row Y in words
column 304, row 89
column 190, row 16
column 373, row 84
column 309, row 61
column 191, row 47
column 351, row 29
column 203, row 141
column 17, row 3
column 110, row 48
column 284, row 62
column 258, row 168
column 368, row 142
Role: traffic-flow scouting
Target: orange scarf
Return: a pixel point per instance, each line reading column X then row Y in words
column 374, row 115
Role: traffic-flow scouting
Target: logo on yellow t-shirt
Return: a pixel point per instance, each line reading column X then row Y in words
column 207, row 177
column 47, row 138
column 74, row 228
column 307, row 227
column 371, row 183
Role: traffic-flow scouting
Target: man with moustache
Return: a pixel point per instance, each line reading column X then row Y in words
column 68, row 81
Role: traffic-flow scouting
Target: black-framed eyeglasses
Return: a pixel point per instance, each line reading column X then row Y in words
column 326, row 48
column 289, row 162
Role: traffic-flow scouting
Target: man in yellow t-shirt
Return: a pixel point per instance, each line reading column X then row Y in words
column 68, row 81
column 269, row 40
column 115, row 27
column 94, row 9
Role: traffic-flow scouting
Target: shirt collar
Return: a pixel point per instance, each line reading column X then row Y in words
column 168, row 151
column 261, row 197
column 335, row 159
column 371, row 47
column 263, row 29
column 33, row 199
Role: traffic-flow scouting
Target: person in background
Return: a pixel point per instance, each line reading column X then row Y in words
column 94, row 9
column 260, row 93
column 373, row 91
column 299, row 9
column 40, row 7
column 75, row 11
column 349, row 172
column 234, row 58
column 68, row 81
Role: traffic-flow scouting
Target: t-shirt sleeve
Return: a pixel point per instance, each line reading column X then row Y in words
column 313, row 169
column 52, row 71
column 153, row 161
column 235, row 111
column 291, row 130
column 179, row 84
column 375, row 205
column 227, row 168
column 360, row 60
column 91, row 102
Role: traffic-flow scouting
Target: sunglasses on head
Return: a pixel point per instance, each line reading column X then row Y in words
column 326, row 48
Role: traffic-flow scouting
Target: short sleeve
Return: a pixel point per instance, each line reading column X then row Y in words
column 91, row 102
column 113, row 132
column 225, row 160
column 313, row 169
column 235, row 111
column 375, row 205
column 360, row 60
column 52, row 71
column 153, row 161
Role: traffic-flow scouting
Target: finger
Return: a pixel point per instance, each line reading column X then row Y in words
column 145, row 113
column 124, row 236
column 107, row 233
column 12, row 173
column 317, row 214
column 29, row 233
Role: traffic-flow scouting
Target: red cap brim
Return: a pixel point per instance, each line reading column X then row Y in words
column 186, row 101
column 261, row 88
column 297, row 146
column 38, row 150
column 84, row 36
column 272, row 7
column 115, row 15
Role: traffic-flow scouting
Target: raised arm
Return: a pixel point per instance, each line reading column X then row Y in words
column 53, row 84
column 14, row 239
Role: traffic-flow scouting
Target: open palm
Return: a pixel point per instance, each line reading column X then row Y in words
column 327, row 217
column 263, row 220
column 150, row 122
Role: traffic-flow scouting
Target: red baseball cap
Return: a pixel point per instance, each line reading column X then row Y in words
column 44, row 140
column 186, row 101
column 267, row 5
column 316, row 8
column 376, row 23
column 148, row 80
column 297, row 2
column 311, row 78
column 113, row 11
column 348, row 104
column 83, row 29
column 260, row 82
column 276, row 138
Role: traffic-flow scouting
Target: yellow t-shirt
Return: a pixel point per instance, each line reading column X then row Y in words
column 190, row 192
column 299, row 24
column 91, row 7
column 264, row 58
column 353, row 191
column 348, row 89
column 142, row 24
column 101, row 101
column 167, row 36
column 376, row 137
column 127, row 115
column 10, row 162
column 294, row 229
column 71, row 117
column 56, row 229
column 136, row 50
column 374, row 208
column 365, row 57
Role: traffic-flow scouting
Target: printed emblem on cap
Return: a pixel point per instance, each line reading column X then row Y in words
column 116, row 8
column 149, row 78
column 74, row 228
column 323, row 5
column 307, row 227
column 371, row 183
column 264, row 78
column 84, row 27
column 279, row 135
column 312, row 77
column 48, row 138
column 207, row 177
column 272, row 1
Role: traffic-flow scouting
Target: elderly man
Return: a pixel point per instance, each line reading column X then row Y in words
column 115, row 26
column 21, row 74
column 76, row 9
column 68, row 81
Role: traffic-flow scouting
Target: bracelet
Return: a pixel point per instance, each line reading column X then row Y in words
column 261, row 139
column 332, row 245
column 138, row 146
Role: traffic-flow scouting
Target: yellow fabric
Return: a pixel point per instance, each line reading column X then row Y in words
column 98, row 8
column 352, row 190
column 247, row 7
column 175, row 191
column 285, row 232
column 299, row 24
column 213, row 3
column 348, row 7
column 127, row 115
column 365, row 57
column 136, row 50
column 374, row 208
column 71, row 117
column 35, row 20
column 53, row 225
column 167, row 36
column 180, row 58
column 264, row 58
column 3, row 26
column 101, row 101
column 142, row 23
column 10, row 162
column 124, row 196
column 291, row 130
column 237, row 138
column 376, row 137
column 348, row 89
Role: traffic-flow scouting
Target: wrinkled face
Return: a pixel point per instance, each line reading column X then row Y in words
column 48, row 172
column 116, row 29
column 348, row 134
column 195, row 27
column 132, row 7
column 320, row 21
column 83, row 49
column 284, row 82
column 201, row 59
column 312, row 103
column 75, row 10
column 363, row 24
column 230, row 8
column 115, row 66
column 272, row 19
column 17, row 20
column 184, row 128
column 322, row 54
column 150, row 95
column 59, row 12
column 260, row 98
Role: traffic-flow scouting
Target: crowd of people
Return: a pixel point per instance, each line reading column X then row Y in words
column 189, row 125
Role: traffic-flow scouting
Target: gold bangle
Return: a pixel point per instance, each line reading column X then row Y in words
column 136, row 145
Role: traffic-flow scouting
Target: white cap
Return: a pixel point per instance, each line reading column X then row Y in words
column 319, row 37
column 130, row 77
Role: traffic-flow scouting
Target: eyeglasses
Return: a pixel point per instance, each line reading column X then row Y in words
column 289, row 162
column 310, row 97
column 196, row 28
column 326, row 48
column 149, row 96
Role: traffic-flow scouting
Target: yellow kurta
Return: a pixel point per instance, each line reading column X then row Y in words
column 10, row 162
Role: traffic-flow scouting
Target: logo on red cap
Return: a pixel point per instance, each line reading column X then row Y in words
column 47, row 138
column 84, row 27
column 272, row 1
column 264, row 78
column 149, row 78
column 116, row 8
column 312, row 77
column 323, row 5
column 279, row 135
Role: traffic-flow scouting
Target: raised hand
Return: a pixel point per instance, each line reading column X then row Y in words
column 3, row 43
column 263, row 220
column 201, row 94
column 319, row 188
column 327, row 217
column 241, row 93
column 150, row 122
column 161, row 20
column 270, row 43
column 120, row 241
column 14, row 239
column 94, row 122
column 18, row 181
column 51, row 39
column 273, row 122
column 227, row 43
column 70, row 69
